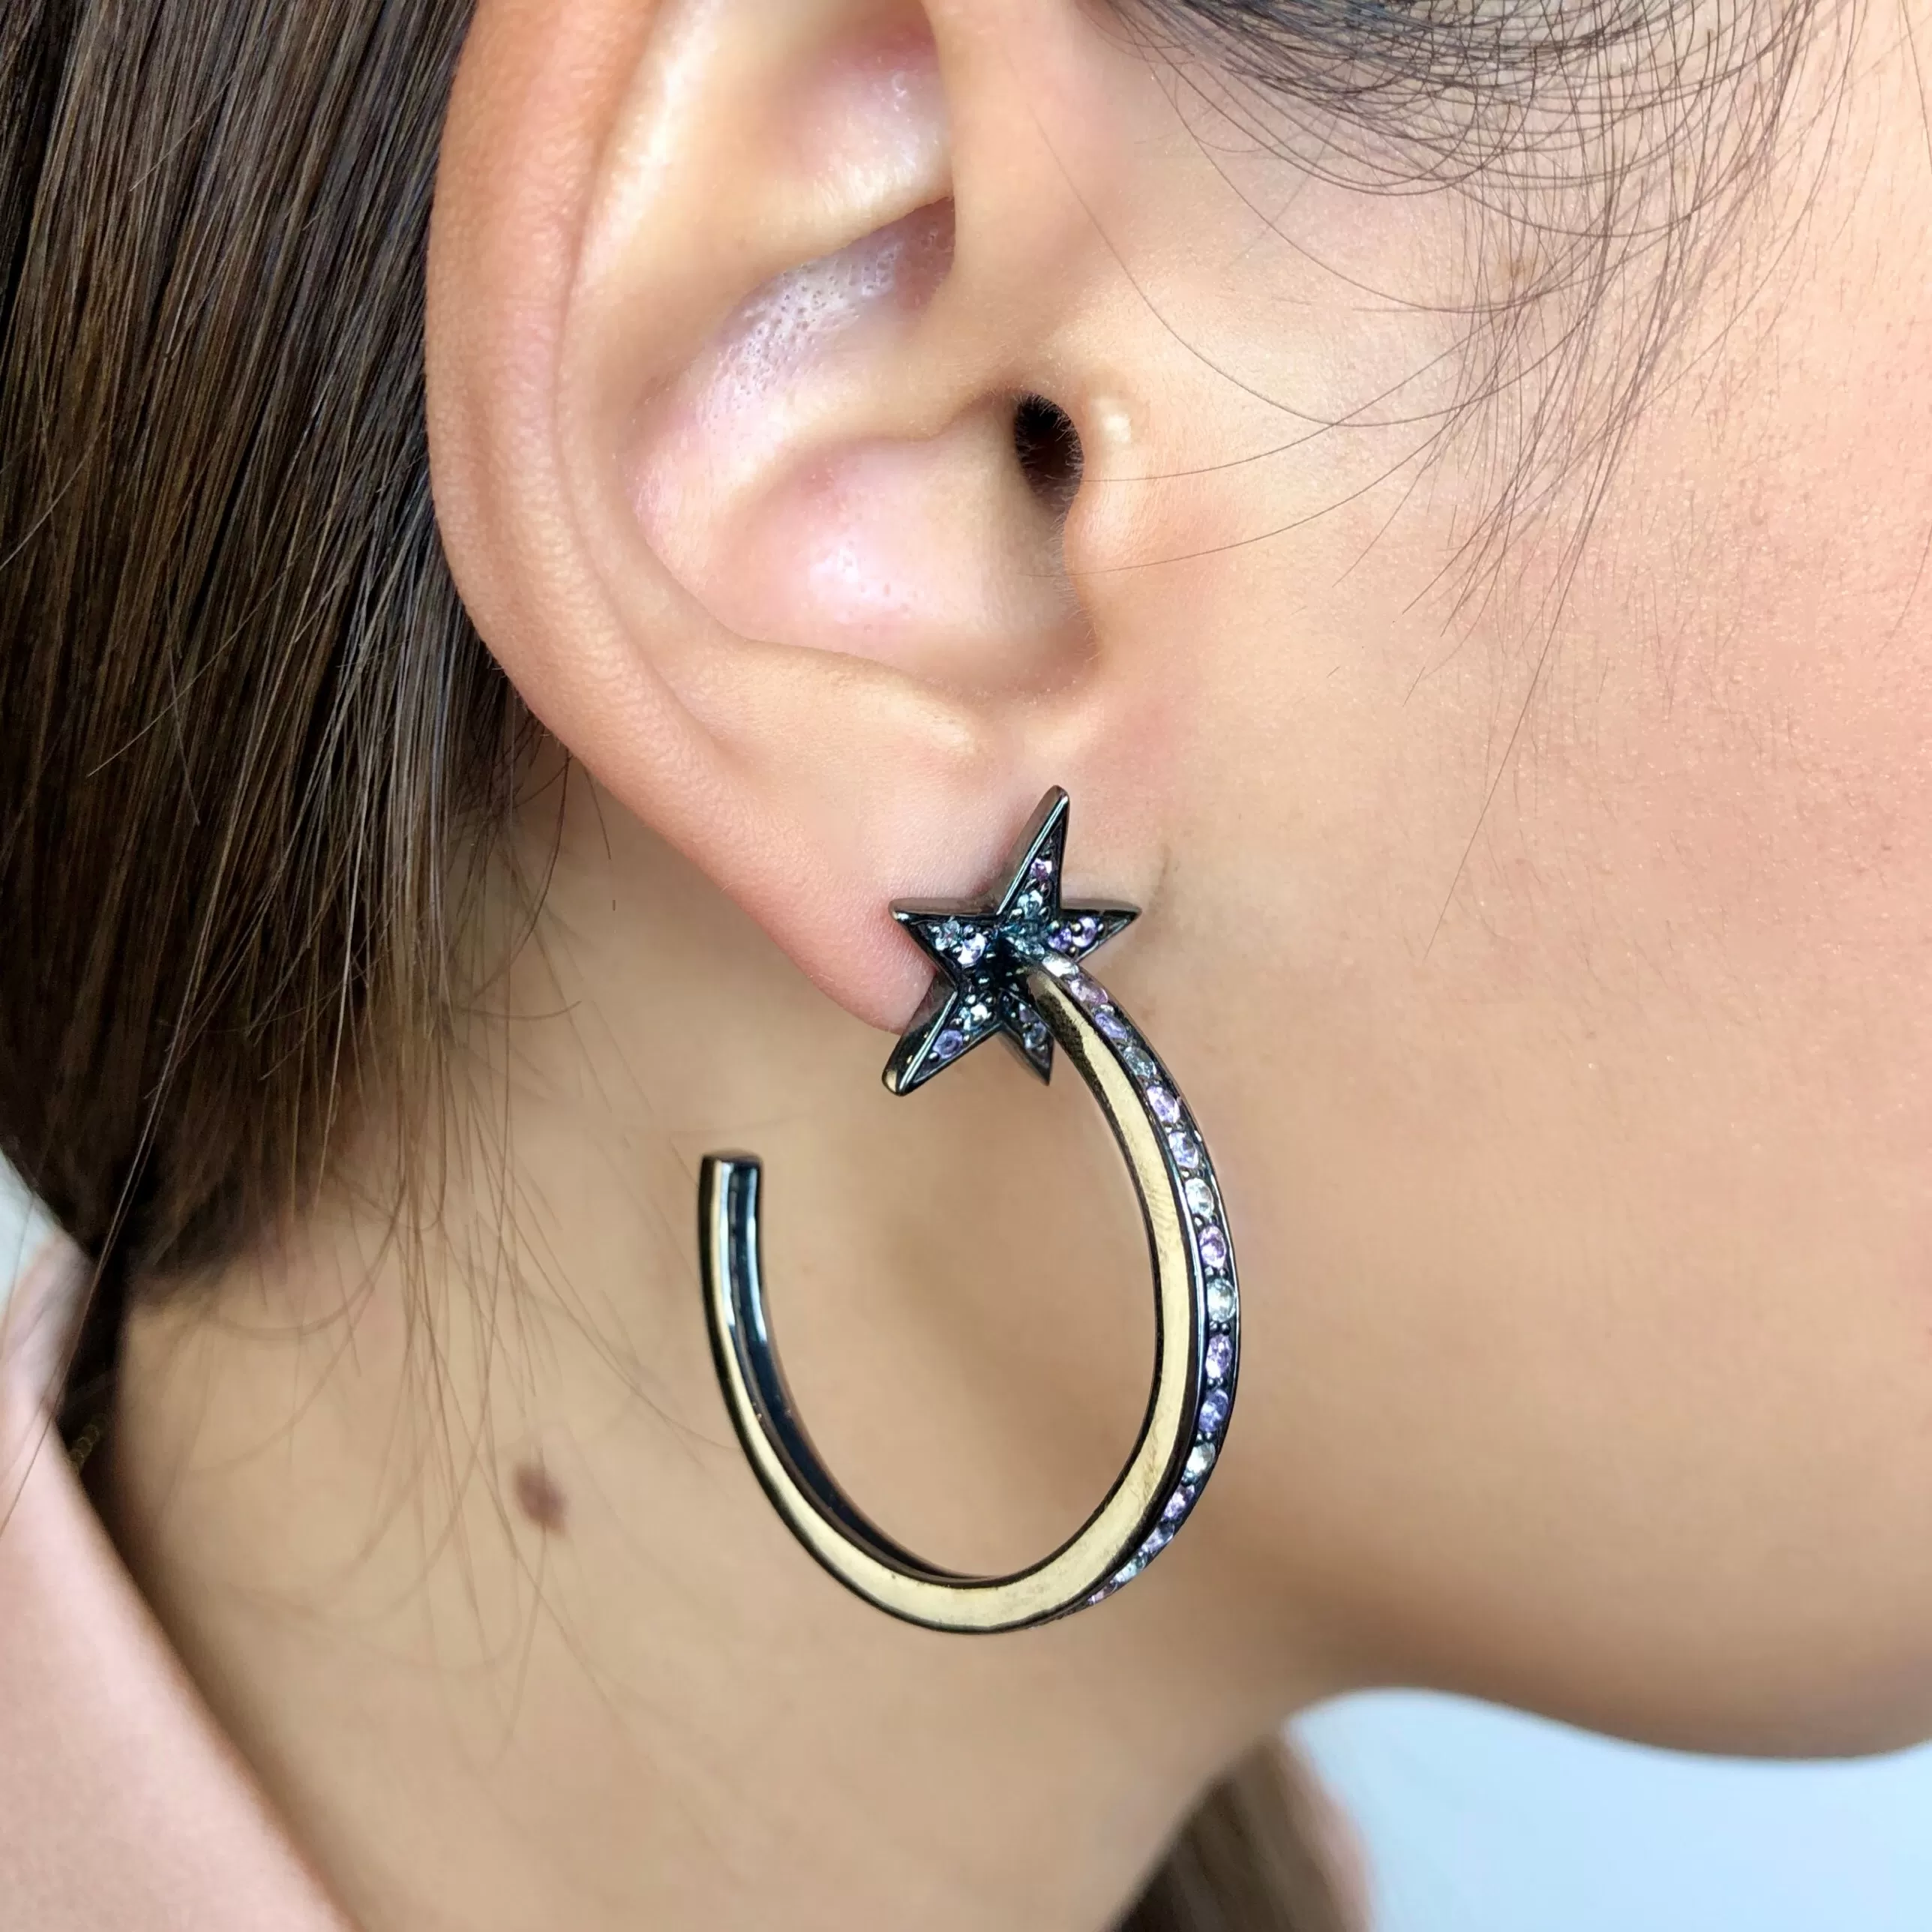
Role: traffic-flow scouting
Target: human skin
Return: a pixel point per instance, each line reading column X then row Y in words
column 1538, row 938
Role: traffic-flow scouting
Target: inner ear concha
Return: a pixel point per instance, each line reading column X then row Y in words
column 1048, row 446
column 819, row 476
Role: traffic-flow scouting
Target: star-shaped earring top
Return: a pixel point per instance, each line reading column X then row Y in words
column 983, row 951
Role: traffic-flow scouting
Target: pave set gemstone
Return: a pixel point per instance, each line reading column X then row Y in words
column 1034, row 1034
column 1212, row 1248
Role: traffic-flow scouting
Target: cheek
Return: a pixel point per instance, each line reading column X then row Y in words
column 1738, row 749
column 1589, row 1194
column 1687, row 1034
column 1591, row 1250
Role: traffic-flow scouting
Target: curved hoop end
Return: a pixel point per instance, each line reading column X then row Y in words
column 716, row 1173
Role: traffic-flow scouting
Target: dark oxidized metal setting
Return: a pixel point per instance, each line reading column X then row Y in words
column 1012, row 966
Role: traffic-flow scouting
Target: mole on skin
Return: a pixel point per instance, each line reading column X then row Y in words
column 538, row 1497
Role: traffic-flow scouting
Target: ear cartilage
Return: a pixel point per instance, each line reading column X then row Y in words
column 1011, row 966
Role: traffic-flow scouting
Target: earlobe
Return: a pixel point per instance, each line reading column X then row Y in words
column 745, row 473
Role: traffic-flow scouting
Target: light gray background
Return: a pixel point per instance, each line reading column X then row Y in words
column 1480, row 1820
column 21, row 1229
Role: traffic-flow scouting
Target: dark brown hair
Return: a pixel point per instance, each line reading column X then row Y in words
column 253, row 760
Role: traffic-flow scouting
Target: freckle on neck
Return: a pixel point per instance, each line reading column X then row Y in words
column 538, row 1497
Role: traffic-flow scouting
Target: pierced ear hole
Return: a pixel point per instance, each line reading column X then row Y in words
column 1048, row 446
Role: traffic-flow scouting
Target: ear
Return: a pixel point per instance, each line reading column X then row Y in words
column 762, row 362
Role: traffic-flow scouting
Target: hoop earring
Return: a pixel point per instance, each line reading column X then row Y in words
column 1010, row 966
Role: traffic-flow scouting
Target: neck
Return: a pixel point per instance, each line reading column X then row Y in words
column 454, row 1532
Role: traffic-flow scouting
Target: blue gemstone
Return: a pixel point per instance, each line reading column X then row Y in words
column 949, row 1043
column 1220, row 1357
column 1213, row 1248
column 1187, row 1154
column 1111, row 1024
column 1214, row 1412
column 1176, row 1506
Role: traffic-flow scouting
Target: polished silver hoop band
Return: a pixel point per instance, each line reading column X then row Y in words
column 1011, row 966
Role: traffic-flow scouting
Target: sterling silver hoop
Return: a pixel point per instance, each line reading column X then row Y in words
column 1011, row 966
